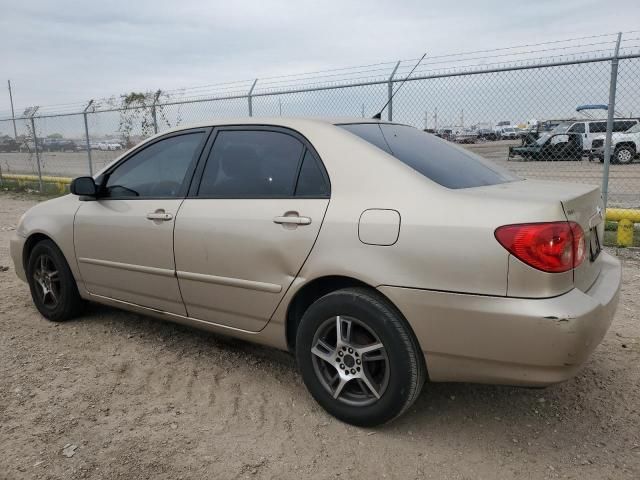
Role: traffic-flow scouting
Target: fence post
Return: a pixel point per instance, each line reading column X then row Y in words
column 35, row 145
column 390, row 93
column 86, row 136
column 610, row 113
column 249, row 96
column 153, row 111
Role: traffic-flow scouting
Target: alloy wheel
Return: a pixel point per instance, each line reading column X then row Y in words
column 350, row 361
column 47, row 281
column 624, row 156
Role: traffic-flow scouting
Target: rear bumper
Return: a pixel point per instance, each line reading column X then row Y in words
column 511, row 341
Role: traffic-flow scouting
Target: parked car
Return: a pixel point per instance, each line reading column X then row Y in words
column 109, row 146
column 466, row 136
column 57, row 145
column 415, row 256
column 487, row 134
column 625, row 147
column 8, row 144
column 560, row 146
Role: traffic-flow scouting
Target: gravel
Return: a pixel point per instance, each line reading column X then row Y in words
column 139, row 398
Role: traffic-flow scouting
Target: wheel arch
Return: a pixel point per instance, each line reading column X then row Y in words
column 626, row 143
column 31, row 242
column 319, row 287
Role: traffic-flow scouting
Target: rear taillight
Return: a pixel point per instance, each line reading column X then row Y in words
column 551, row 247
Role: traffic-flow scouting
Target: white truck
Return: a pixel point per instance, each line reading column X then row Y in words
column 625, row 146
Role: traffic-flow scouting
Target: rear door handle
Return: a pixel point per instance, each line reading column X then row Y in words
column 159, row 215
column 293, row 220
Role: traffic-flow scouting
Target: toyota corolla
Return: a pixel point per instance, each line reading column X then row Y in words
column 377, row 253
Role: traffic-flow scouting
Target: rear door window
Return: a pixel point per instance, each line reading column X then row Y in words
column 251, row 163
column 311, row 181
column 597, row 127
column 441, row 161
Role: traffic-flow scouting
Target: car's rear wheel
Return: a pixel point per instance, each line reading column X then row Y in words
column 624, row 155
column 358, row 357
column 53, row 288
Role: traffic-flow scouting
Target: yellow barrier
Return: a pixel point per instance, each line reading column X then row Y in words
column 34, row 178
column 625, row 218
column 55, row 185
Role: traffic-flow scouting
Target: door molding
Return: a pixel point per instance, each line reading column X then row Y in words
column 164, row 272
column 231, row 282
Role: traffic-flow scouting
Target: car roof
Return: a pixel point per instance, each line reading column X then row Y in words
column 290, row 122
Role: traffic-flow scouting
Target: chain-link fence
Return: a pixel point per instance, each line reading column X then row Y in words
column 563, row 110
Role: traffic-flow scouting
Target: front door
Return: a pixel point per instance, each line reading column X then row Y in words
column 244, row 234
column 124, row 239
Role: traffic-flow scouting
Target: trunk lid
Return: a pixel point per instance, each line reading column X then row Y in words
column 587, row 210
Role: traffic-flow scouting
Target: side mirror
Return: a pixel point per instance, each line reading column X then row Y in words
column 84, row 187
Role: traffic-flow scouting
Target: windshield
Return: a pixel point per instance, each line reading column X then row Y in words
column 443, row 162
column 562, row 127
column 634, row 129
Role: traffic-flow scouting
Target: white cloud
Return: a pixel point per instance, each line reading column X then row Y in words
column 68, row 51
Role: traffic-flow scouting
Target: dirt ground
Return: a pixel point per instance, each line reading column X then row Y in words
column 139, row 398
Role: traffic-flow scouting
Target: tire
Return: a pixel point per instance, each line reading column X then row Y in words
column 624, row 155
column 396, row 372
column 47, row 269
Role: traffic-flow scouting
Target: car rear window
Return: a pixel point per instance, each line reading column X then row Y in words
column 441, row 161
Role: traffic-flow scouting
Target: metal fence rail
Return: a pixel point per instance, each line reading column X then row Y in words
column 517, row 106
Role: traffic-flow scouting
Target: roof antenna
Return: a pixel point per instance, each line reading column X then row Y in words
column 378, row 116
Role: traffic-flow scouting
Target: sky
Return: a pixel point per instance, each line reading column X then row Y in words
column 70, row 51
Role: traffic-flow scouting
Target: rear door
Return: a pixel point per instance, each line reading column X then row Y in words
column 249, row 223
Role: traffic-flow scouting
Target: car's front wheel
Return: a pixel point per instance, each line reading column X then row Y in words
column 53, row 288
column 358, row 357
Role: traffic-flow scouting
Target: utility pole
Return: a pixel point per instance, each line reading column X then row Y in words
column 462, row 117
column 426, row 120
column 435, row 119
column 363, row 110
column 280, row 106
column 13, row 115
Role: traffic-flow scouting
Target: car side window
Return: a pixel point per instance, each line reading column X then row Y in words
column 622, row 125
column 577, row 128
column 598, row 127
column 159, row 170
column 251, row 163
column 311, row 181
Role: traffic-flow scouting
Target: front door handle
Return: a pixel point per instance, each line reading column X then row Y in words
column 292, row 220
column 159, row 215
